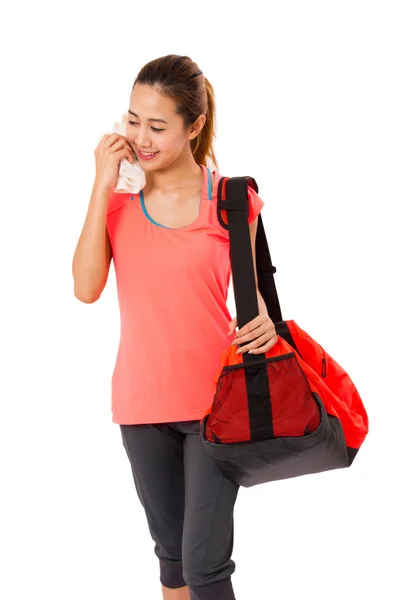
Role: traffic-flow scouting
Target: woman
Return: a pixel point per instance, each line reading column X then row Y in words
column 172, row 264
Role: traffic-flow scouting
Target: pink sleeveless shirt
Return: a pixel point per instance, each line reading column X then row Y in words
column 172, row 287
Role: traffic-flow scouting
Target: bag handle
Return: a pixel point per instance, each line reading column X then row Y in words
column 233, row 197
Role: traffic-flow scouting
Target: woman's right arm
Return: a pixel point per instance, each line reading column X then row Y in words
column 93, row 254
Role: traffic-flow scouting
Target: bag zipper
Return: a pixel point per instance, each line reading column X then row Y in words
column 324, row 365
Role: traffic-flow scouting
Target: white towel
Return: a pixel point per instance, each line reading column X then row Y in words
column 131, row 177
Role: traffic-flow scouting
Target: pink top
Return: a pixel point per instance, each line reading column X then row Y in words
column 172, row 288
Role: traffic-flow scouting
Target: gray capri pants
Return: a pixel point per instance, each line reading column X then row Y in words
column 188, row 504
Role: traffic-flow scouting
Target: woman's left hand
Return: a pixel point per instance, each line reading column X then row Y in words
column 260, row 333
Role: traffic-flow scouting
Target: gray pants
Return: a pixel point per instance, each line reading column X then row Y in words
column 188, row 504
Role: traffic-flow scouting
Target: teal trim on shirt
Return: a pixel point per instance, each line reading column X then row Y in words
column 164, row 226
column 209, row 184
column 147, row 214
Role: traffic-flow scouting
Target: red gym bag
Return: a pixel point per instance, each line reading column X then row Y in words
column 291, row 411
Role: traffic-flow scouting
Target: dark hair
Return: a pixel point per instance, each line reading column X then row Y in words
column 179, row 78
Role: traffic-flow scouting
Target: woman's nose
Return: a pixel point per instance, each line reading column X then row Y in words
column 142, row 139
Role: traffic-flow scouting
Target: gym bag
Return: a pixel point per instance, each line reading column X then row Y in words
column 290, row 411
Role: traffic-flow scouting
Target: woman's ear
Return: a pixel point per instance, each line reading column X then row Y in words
column 197, row 127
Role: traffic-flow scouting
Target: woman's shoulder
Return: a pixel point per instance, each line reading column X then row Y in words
column 117, row 200
column 255, row 202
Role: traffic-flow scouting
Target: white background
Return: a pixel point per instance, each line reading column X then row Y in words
column 306, row 99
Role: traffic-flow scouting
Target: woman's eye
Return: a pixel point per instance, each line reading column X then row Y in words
column 154, row 128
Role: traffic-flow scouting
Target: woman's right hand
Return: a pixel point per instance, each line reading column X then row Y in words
column 111, row 150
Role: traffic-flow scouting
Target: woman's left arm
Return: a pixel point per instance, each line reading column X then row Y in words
column 259, row 335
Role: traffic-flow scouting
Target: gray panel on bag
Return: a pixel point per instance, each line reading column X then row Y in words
column 252, row 463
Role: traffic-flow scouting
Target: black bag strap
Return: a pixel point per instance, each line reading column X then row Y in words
column 233, row 197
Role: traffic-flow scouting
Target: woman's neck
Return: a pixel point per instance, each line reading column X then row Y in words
column 179, row 175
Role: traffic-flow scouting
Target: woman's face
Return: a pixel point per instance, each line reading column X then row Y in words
column 165, row 136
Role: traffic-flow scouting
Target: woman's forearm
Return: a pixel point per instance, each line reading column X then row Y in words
column 93, row 252
column 261, row 303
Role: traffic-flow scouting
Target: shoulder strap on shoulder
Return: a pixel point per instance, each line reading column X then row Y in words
column 233, row 200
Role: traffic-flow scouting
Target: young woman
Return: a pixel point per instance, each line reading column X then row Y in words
column 172, row 264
